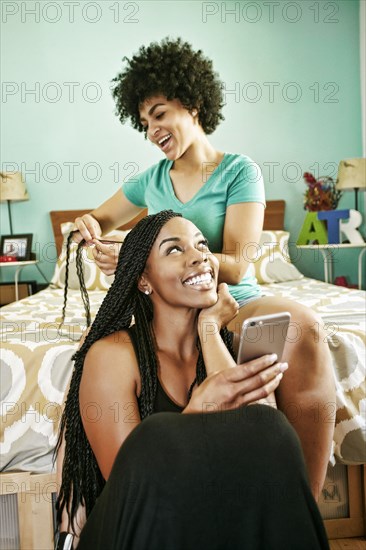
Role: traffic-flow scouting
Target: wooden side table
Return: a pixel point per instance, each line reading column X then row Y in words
column 19, row 266
column 327, row 251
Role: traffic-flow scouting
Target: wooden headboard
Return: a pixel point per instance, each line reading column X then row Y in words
column 273, row 219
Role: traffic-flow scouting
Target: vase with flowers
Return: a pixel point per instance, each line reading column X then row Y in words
column 321, row 193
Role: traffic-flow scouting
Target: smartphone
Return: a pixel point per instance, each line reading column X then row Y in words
column 263, row 335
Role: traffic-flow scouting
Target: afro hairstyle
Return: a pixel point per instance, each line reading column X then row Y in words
column 172, row 69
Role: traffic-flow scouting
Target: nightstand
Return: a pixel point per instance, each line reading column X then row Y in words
column 328, row 253
column 19, row 266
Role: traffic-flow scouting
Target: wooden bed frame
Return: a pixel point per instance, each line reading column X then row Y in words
column 33, row 491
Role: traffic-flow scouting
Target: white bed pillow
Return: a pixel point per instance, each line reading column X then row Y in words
column 273, row 263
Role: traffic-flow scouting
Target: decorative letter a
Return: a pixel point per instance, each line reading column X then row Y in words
column 313, row 230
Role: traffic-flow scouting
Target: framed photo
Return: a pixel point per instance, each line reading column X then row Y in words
column 16, row 246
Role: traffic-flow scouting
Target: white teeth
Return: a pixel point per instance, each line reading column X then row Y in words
column 164, row 139
column 199, row 279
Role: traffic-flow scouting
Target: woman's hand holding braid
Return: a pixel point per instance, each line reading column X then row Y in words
column 105, row 254
column 88, row 228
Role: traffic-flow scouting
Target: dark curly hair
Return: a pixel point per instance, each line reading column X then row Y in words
column 174, row 70
column 82, row 480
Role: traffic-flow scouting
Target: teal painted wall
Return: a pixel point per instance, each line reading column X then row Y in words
column 291, row 73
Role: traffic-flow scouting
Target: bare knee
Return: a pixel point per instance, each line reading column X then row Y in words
column 306, row 336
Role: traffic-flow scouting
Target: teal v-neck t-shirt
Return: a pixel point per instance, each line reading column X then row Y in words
column 236, row 179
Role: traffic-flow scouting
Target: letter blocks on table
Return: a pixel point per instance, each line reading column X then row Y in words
column 325, row 227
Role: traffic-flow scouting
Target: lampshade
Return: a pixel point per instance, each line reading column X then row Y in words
column 352, row 174
column 12, row 187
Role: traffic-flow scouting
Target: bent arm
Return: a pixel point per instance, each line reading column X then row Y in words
column 215, row 353
column 114, row 212
column 209, row 323
column 242, row 230
column 96, row 355
column 225, row 386
column 107, row 397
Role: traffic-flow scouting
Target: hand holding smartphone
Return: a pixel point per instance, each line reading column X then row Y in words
column 263, row 335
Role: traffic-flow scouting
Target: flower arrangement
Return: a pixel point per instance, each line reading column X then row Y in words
column 321, row 193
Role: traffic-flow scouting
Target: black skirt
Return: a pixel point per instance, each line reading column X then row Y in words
column 229, row 480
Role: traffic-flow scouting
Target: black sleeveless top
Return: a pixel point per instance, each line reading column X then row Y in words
column 163, row 403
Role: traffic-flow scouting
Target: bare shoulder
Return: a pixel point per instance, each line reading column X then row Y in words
column 113, row 356
column 108, row 396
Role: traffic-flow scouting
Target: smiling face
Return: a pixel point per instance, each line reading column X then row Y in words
column 180, row 270
column 169, row 125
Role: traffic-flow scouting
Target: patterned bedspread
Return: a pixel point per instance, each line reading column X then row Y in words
column 36, row 366
column 343, row 311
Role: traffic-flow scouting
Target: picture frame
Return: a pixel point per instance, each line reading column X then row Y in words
column 16, row 246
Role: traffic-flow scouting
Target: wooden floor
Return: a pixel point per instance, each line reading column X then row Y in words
column 348, row 544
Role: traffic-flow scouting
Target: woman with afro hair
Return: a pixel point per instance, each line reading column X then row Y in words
column 173, row 459
column 170, row 92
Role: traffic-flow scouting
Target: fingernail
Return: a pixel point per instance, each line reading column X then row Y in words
column 283, row 367
column 279, row 376
column 273, row 357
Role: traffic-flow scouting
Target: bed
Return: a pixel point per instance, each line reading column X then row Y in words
column 36, row 366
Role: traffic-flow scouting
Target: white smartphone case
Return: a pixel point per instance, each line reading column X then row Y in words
column 263, row 335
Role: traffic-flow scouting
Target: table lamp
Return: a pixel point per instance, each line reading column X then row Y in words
column 352, row 175
column 12, row 188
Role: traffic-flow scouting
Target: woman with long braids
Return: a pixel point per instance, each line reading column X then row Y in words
column 218, row 475
column 170, row 93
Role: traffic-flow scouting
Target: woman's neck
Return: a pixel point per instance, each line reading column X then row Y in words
column 198, row 154
column 176, row 334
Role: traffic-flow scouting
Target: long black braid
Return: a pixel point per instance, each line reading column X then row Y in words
column 82, row 480
column 80, row 274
